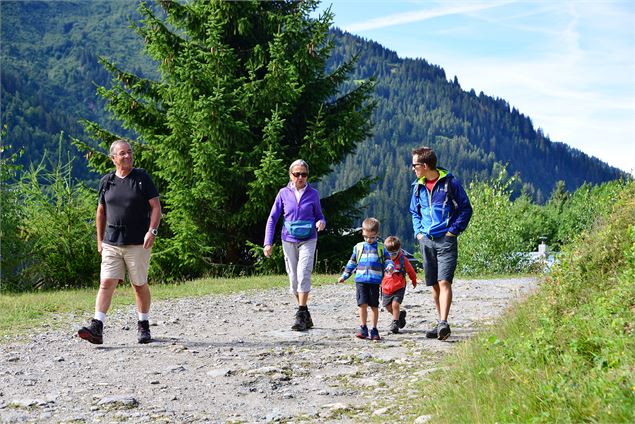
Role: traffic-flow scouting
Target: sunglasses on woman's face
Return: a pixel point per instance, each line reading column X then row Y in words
column 300, row 174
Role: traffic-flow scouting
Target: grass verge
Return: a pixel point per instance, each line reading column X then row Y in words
column 565, row 355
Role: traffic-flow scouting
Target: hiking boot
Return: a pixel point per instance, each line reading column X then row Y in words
column 394, row 327
column 443, row 330
column 433, row 333
column 362, row 333
column 300, row 321
column 402, row 319
column 374, row 334
column 143, row 332
column 94, row 333
column 309, row 321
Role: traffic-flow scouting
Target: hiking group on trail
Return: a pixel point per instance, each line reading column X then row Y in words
column 129, row 212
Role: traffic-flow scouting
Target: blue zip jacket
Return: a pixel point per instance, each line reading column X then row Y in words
column 308, row 209
column 439, row 212
column 369, row 269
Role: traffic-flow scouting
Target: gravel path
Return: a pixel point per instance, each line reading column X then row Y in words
column 233, row 358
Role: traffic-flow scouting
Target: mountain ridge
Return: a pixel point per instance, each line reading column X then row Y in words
column 50, row 62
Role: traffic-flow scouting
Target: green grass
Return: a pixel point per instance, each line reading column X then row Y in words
column 24, row 311
column 566, row 355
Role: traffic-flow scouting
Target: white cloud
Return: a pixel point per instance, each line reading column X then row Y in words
column 419, row 15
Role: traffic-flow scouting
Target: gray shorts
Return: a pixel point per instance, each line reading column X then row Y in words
column 397, row 296
column 439, row 258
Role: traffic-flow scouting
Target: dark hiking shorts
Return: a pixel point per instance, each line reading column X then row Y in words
column 367, row 294
column 397, row 296
column 439, row 258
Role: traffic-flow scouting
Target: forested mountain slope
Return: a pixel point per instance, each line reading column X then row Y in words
column 50, row 70
column 473, row 135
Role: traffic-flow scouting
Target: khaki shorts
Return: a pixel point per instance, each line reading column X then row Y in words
column 115, row 260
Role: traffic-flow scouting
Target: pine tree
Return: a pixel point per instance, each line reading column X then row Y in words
column 243, row 91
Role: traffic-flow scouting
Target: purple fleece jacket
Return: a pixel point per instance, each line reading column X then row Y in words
column 308, row 209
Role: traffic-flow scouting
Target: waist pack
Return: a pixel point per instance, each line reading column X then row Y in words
column 299, row 229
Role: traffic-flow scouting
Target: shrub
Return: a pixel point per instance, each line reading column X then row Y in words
column 53, row 219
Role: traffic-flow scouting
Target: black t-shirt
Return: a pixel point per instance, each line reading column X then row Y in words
column 127, row 208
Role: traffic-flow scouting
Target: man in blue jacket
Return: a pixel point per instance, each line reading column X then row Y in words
column 440, row 212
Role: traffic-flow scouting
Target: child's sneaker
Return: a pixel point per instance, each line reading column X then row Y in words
column 402, row 319
column 374, row 334
column 394, row 327
column 362, row 333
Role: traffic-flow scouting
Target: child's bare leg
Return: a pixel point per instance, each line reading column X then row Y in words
column 374, row 314
column 395, row 310
column 389, row 308
column 363, row 314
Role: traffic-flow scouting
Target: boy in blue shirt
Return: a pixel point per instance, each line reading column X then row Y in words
column 369, row 261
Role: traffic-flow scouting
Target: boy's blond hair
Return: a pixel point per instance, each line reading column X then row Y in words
column 371, row 224
column 392, row 243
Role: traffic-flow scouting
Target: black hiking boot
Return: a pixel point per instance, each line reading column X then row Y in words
column 143, row 332
column 94, row 333
column 309, row 321
column 402, row 319
column 300, row 321
column 394, row 327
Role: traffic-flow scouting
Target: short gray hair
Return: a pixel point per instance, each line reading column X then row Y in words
column 114, row 143
column 299, row 162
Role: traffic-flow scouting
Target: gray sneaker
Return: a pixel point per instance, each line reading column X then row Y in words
column 433, row 333
column 443, row 330
column 394, row 327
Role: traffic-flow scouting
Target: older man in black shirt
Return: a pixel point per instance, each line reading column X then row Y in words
column 128, row 215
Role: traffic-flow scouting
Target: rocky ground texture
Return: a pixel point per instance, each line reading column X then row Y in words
column 234, row 358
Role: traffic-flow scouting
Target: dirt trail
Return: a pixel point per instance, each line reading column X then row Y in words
column 233, row 358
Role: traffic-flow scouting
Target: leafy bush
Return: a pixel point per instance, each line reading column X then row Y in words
column 52, row 231
column 494, row 236
column 502, row 231
column 571, row 214
column 12, row 247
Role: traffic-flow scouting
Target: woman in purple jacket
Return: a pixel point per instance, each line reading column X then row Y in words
column 299, row 203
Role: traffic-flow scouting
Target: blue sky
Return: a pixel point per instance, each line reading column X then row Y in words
column 568, row 65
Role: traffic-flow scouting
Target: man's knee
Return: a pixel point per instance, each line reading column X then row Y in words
column 108, row 284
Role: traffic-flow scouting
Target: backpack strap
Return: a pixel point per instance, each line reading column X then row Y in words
column 109, row 181
column 449, row 193
column 359, row 249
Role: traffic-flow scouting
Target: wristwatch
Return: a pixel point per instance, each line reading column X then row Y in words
column 154, row 231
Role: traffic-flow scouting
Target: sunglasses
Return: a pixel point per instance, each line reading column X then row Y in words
column 414, row 165
column 300, row 174
column 393, row 253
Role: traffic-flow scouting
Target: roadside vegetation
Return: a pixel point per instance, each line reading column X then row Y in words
column 565, row 355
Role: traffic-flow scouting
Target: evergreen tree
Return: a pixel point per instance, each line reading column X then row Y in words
column 242, row 92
